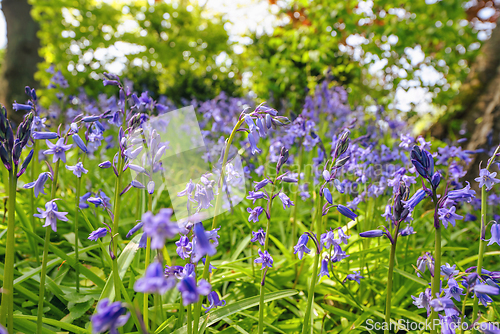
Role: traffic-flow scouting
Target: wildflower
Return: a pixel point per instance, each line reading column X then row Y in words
column 261, row 184
column 454, row 290
column 135, row 229
column 408, row 230
column 79, row 142
column 254, row 213
column 495, row 234
column 259, row 236
column 462, row 194
column 201, row 243
column 324, row 268
column 486, row 179
column 151, row 187
column 83, row 200
column 51, row 215
column 214, row 301
column 423, row 162
column 265, row 259
column 21, row 107
column 487, row 289
column 328, row 195
column 301, row 246
column 44, row 135
column 338, row 254
column 415, row 199
column 345, row 211
column 328, row 239
column 109, row 317
column 372, row 234
column 342, row 236
column 184, row 247
column 38, row 184
column 355, row 276
column 423, row 262
column 58, row 150
column 282, row 159
column 99, row 233
column 448, row 216
column 488, row 328
column 440, row 304
column 105, row 164
column 154, row 281
column 448, row 271
column 423, row 300
column 253, row 143
column 78, row 169
column 326, row 175
column 256, row 195
column 388, row 213
column 190, row 291
column 287, row 202
column 159, row 227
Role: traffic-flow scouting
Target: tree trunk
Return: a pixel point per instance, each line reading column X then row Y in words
column 477, row 107
column 21, row 57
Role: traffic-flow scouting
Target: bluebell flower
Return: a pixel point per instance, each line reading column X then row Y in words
column 448, row 324
column 328, row 195
column 151, row 187
column 201, row 243
column 423, row 162
column 77, row 169
column 338, row 254
column 287, row 202
column 372, row 234
column 134, row 229
column 486, row 179
column 464, row 194
column 425, row 261
column 442, row 303
column 154, row 280
column 423, row 300
column 51, row 215
column 488, row 328
column 415, row 199
column 83, row 200
column 388, row 213
column 408, row 230
column 45, row 135
column 328, row 239
column 38, row 184
column 99, row 233
column 495, row 234
column 355, row 276
column 301, row 246
column 448, row 271
column 210, row 266
column 342, row 236
column 448, row 216
column 256, row 195
column 254, row 213
column 436, row 179
column 253, row 144
column 454, row 290
column 469, row 217
column 190, row 291
column 159, row 227
column 259, row 236
column 265, row 259
column 345, row 211
column 487, row 289
column 214, row 301
column 21, row 107
column 108, row 317
column 324, row 268
column 105, row 164
column 58, row 150
column 79, row 142
column 184, row 247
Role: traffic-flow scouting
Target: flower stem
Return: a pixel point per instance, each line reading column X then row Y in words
column 436, row 279
column 482, row 246
column 34, row 173
column 145, row 310
column 7, row 308
column 389, row 283
column 43, row 273
column 77, row 213
column 310, row 295
column 116, row 220
column 463, row 312
column 189, row 320
column 218, row 204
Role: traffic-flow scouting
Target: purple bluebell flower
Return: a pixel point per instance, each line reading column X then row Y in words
column 159, row 227
column 38, row 184
column 423, row 300
column 259, row 236
column 448, row 271
column 415, row 199
column 83, row 200
column 79, row 142
column 448, row 216
column 486, row 179
column 436, row 179
column 338, row 254
column 454, row 290
column 324, row 268
column 388, row 213
column 261, row 184
column 135, row 229
column 448, row 323
column 342, row 236
column 355, row 276
column 151, row 187
column 287, row 202
column 256, row 195
column 77, row 169
column 328, row 195
column 108, row 317
column 99, row 233
column 214, row 301
column 326, row 175
column 253, row 143
column 21, row 107
column 210, row 266
column 97, row 201
column 372, row 234
column 440, row 304
column 265, row 259
column 201, row 243
column 423, row 262
column 51, row 215
column 254, row 213
column 495, row 234
column 301, row 246
column 45, row 135
column 190, row 291
column 408, row 230
column 58, row 150
column 345, row 211
column 423, row 162
column 488, row 328
column 184, row 247
column 105, row 164
column 464, row 194
column 328, row 239
column 487, row 289
column 154, row 280
column 137, row 184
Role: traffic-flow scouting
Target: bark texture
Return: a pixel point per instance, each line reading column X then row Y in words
column 21, row 57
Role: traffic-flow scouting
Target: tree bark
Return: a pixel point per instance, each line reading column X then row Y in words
column 21, row 57
column 477, row 107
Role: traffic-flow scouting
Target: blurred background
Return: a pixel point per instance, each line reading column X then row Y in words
column 435, row 62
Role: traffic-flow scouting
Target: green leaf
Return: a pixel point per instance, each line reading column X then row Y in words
column 411, row 276
column 53, row 322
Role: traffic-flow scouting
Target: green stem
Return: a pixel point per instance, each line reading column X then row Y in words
column 310, row 295
column 189, row 320
column 482, row 247
column 116, row 220
column 295, row 199
column 463, row 312
column 7, row 308
column 388, row 300
column 146, row 264
column 218, row 204
column 436, row 279
column 34, row 175
column 77, row 213
column 43, row 273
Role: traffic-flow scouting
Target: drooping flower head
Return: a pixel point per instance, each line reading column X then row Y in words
column 259, row 236
column 109, row 317
column 214, row 301
column 58, row 150
column 38, row 184
column 154, row 281
column 301, row 246
column 78, row 169
column 265, row 259
column 159, row 227
column 51, row 215
column 190, row 291
column 486, row 179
